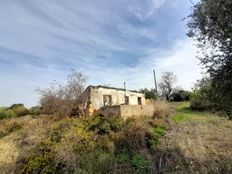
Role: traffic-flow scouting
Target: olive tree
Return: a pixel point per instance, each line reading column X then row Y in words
column 211, row 25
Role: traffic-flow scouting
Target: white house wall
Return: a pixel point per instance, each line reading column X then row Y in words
column 118, row 96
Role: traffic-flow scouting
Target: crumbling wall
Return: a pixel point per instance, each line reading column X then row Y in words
column 126, row 111
column 136, row 110
column 111, row 110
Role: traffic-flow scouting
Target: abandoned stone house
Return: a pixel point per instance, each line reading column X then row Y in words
column 113, row 101
column 100, row 96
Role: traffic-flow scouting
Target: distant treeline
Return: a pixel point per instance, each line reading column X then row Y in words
column 18, row 110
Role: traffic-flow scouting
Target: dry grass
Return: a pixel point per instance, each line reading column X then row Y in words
column 35, row 131
column 197, row 143
column 9, row 147
column 163, row 110
column 9, row 153
column 21, row 135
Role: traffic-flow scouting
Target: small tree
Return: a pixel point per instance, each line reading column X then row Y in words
column 149, row 93
column 61, row 100
column 203, row 96
column 166, row 84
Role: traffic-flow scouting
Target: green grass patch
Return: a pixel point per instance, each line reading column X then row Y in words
column 185, row 113
column 140, row 163
column 157, row 133
column 160, row 131
column 181, row 105
column 182, row 117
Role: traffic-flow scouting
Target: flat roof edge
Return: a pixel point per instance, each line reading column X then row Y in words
column 108, row 87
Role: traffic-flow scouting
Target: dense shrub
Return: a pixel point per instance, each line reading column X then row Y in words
column 149, row 93
column 96, row 144
column 19, row 109
column 42, row 161
column 203, row 97
column 140, row 163
column 180, row 95
column 7, row 113
column 14, row 110
column 104, row 125
column 35, row 110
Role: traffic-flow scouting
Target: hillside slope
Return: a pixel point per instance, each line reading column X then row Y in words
column 194, row 142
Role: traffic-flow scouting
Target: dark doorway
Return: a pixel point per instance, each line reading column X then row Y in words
column 107, row 100
column 139, row 101
column 127, row 102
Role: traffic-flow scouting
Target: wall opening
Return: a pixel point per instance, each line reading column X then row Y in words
column 127, row 102
column 139, row 101
column 107, row 100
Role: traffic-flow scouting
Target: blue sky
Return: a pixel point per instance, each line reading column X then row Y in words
column 111, row 41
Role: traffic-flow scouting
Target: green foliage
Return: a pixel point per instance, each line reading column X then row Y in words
column 180, row 117
column 203, row 97
column 180, row 95
column 140, row 163
column 35, row 110
column 2, row 109
column 104, row 125
column 210, row 25
column 42, row 162
column 7, row 113
column 19, row 109
column 122, row 158
column 156, row 134
column 149, row 94
column 96, row 144
column 186, row 113
column 160, row 131
column 14, row 110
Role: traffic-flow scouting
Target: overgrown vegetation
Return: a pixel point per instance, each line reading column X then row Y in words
column 7, row 127
column 182, row 143
column 61, row 100
column 96, row 144
column 192, row 147
column 15, row 110
column 149, row 93
column 203, row 96
column 18, row 110
column 210, row 24
column 180, row 95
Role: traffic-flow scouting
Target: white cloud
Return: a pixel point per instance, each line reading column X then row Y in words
column 54, row 36
column 180, row 59
column 149, row 11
